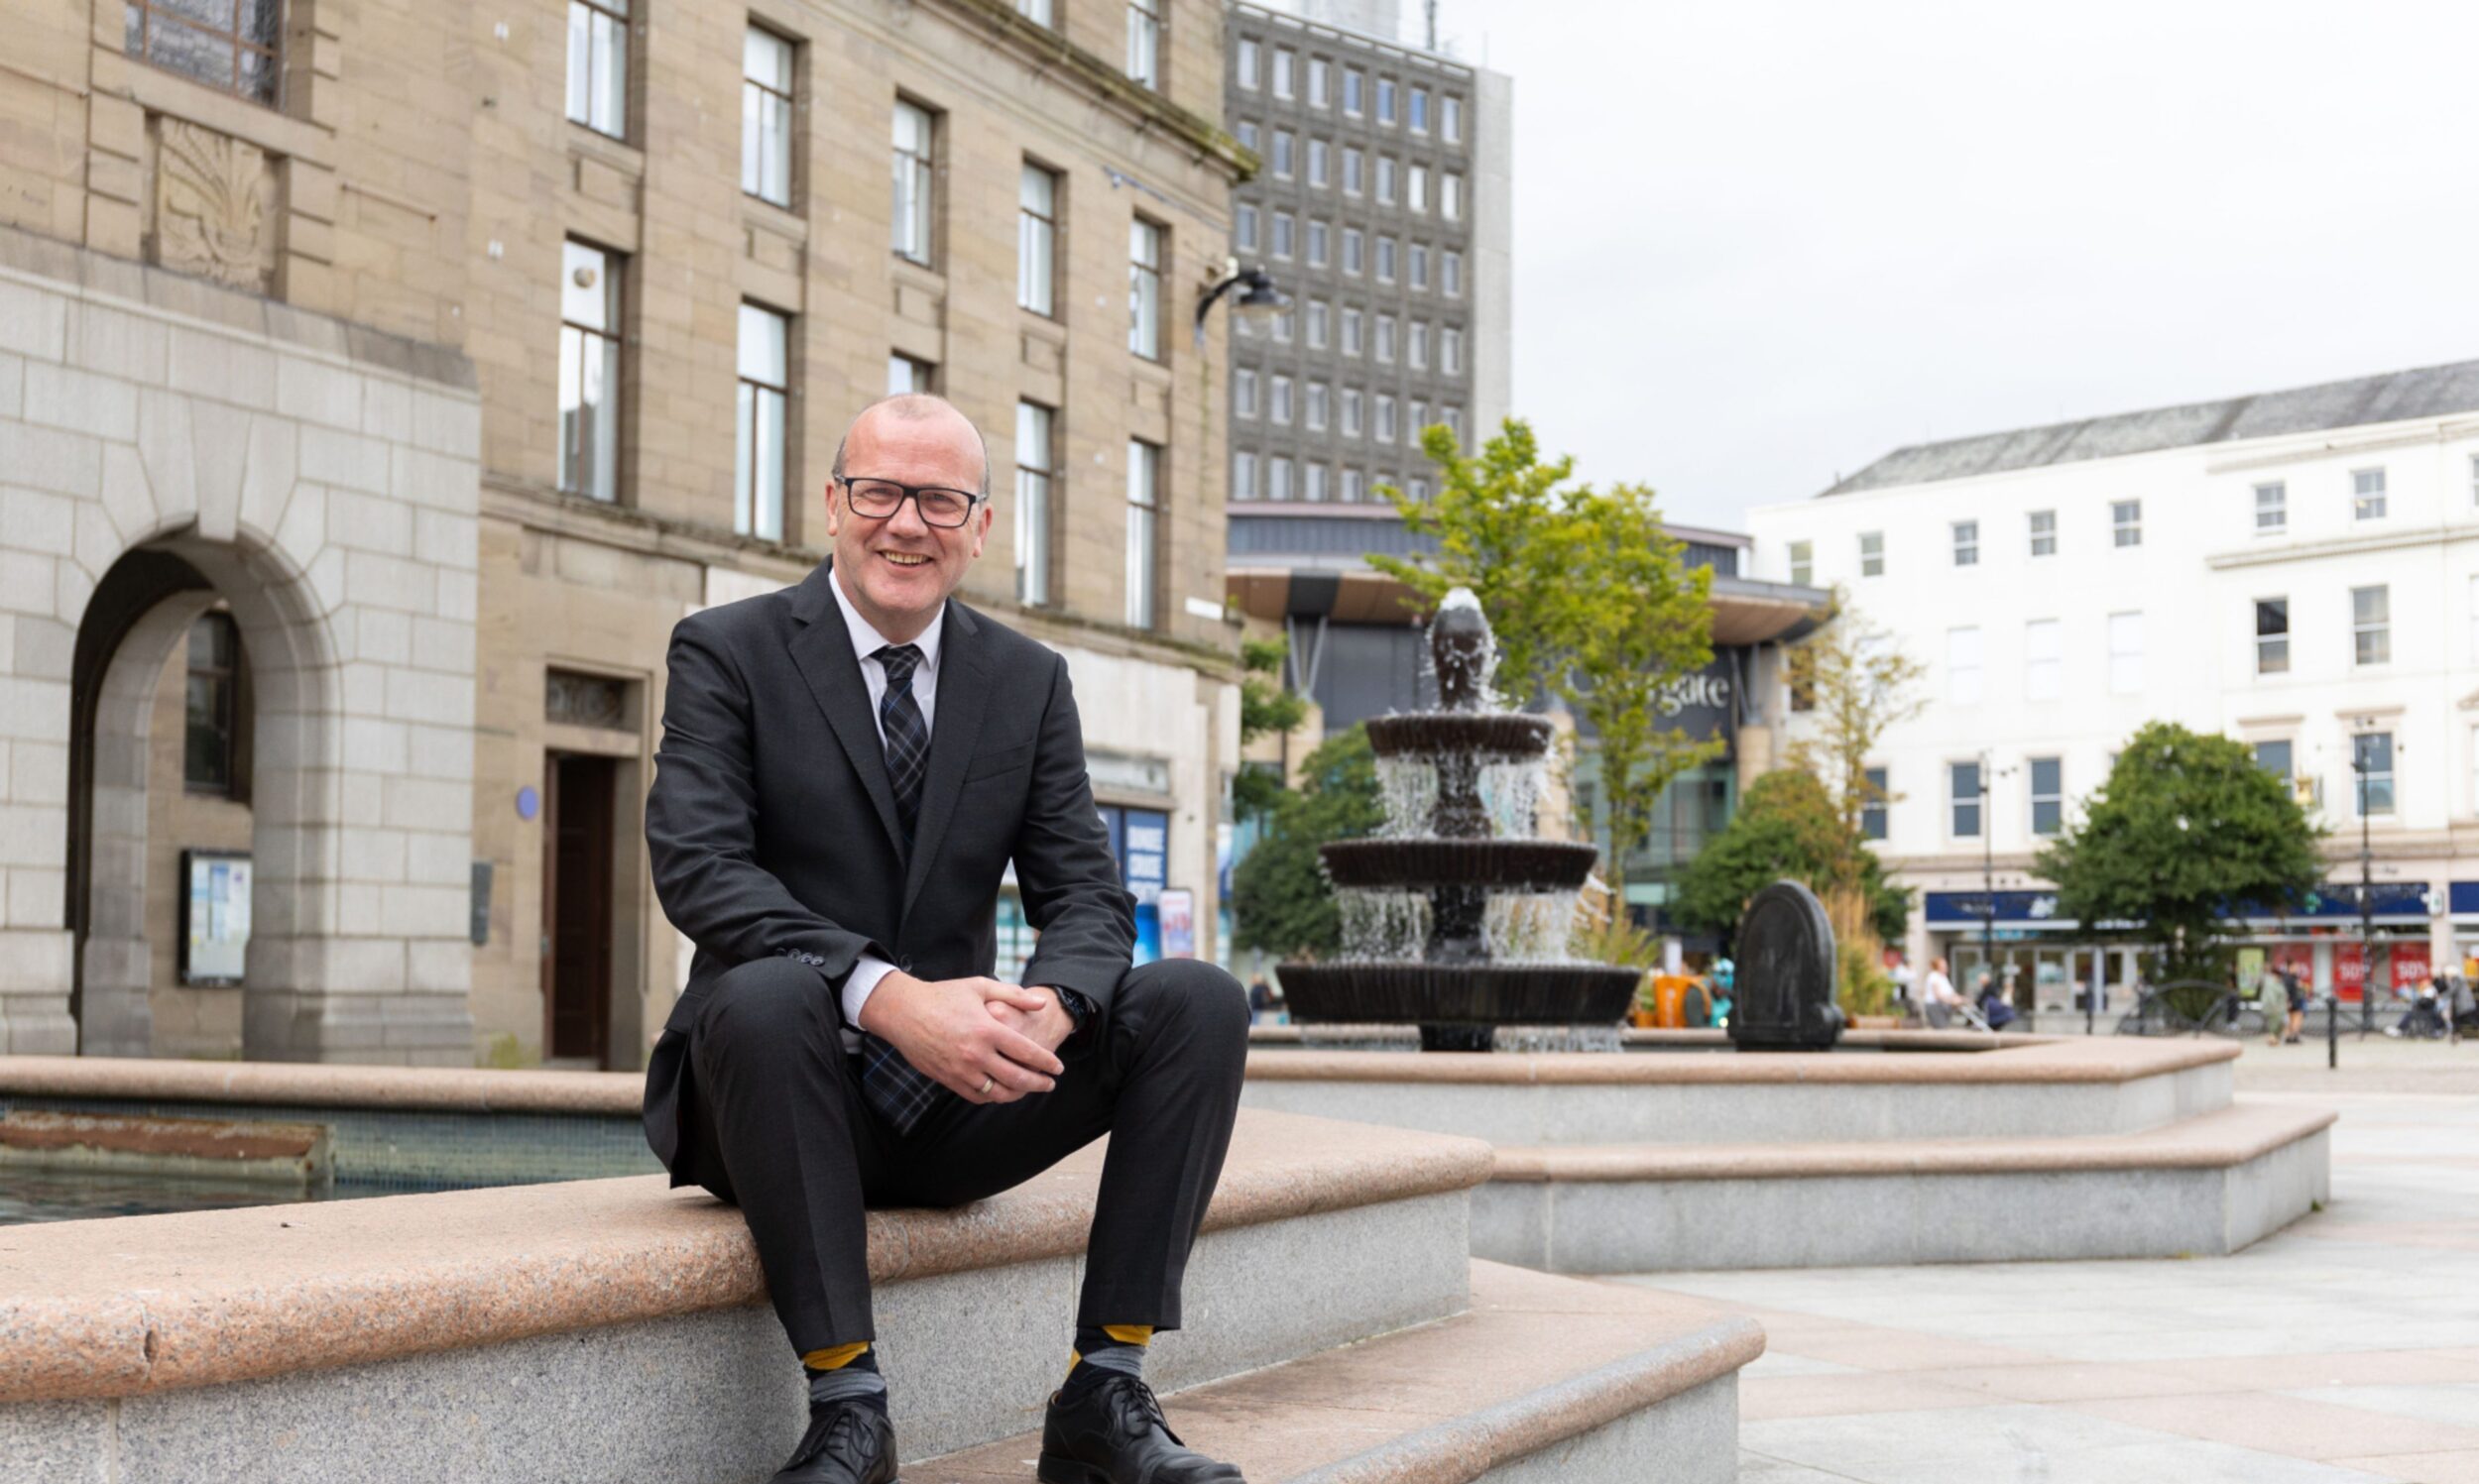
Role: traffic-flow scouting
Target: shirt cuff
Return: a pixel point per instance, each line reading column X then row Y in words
column 859, row 984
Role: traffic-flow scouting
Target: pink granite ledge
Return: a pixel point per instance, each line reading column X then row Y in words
column 2213, row 1141
column 2066, row 1059
column 142, row 1304
column 419, row 1089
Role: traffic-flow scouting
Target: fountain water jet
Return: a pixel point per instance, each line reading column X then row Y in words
column 1462, row 787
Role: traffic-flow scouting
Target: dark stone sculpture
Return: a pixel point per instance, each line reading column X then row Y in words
column 1783, row 998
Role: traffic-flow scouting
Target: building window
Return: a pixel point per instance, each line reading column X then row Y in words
column 2125, row 654
column 908, row 374
column 1320, row 83
column 1385, row 181
column 1285, row 143
column 2047, row 779
column 1416, row 345
column 1319, row 312
column 1282, row 328
column 2272, row 508
column 1039, row 12
column 1353, row 81
column 1451, row 118
column 209, row 747
column 1419, row 491
column 2272, row 635
column 1872, row 553
column 2126, row 522
column 766, row 116
column 1415, row 419
column 1416, row 259
column 1037, row 240
column 1354, row 487
column 1145, row 494
column 1243, row 393
column 1386, row 260
column 2371, row 624
column 1313, row 483
column 1966, row 544
column 914, row 182
column 1145, row 287
column 1450, row 273
column 1351, row 400
column 2044, row 529
column 2474, row 479
column 2044, row 659
column 1803, row 562
column 234, row 46
column 1385, row 339
column 1962, row 797
column 1243, row 229
column 1034, row 461
column 589, row 372
column 1417, row 115
column 1963, row 666
column 2371, row 765
column 2274, row 757
column 1873, row 806
column 1278, row 399
column 2367, row 494
column 1318, row 154
column 1313, row 405
column 1245, row 63
column 1246, row 133
column 1244, row 476
column 1386, row 419
column 1277, row 478
column 1453, row 416
column 1451, row 197
column 1351, row 331
column 1317, row 236
column 1286, row 61
column 1352, row 160
column 765, row 382
column 1285, row 227
column 1352, row 241
column 1386, row 100
column 1450, row 350
column 1144, row 48
column 1416, row 189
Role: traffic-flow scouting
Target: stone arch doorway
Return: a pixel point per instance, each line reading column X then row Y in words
column 141, row 617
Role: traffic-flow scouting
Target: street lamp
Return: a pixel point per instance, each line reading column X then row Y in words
column 1259, row 298
column 2362, row 763
column 1988, row 871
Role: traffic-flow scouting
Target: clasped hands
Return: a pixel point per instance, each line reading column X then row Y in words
column 983, row 1040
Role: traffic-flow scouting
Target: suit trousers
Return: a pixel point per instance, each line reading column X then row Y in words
column 784, row 1133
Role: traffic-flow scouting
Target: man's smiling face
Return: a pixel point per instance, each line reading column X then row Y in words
column 898, row 570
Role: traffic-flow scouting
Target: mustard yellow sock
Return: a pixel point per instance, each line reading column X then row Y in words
column 836, row 1357
column 1109, row 1347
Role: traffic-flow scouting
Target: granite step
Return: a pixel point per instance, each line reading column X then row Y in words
column 616, row 1328
column 1543, row 1379
column 2208, row 1184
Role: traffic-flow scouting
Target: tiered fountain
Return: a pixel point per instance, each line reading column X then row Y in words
column 1458, row 917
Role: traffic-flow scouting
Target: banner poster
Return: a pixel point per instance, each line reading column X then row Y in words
column 2349, row 970
column 2298, row 958
column 2412, row 967
column 1179, row 922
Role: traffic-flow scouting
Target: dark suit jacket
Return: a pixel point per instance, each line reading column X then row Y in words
column 772, row 827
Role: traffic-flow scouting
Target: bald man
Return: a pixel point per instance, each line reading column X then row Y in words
column 848, row 767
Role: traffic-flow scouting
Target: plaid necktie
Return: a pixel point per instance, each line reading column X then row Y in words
column 891, row 1086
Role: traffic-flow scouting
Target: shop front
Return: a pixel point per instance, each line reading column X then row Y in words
column 2034, row 948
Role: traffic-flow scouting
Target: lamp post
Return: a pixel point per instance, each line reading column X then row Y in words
column 1259, row 298
column 2362, row 763
column 1988, row 871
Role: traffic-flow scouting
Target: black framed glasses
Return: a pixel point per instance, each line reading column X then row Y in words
column 879, row 498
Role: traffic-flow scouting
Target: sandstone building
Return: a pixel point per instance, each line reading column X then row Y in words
column 380, row 381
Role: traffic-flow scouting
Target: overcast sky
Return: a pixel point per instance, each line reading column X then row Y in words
column 1761, row 243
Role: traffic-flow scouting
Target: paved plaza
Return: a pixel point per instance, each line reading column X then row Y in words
column 2345, row 1348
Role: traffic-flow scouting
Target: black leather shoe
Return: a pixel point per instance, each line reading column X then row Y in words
column 847, row 1444
column 1111, row 1432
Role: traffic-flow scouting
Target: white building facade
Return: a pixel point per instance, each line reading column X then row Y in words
column 2299, row 570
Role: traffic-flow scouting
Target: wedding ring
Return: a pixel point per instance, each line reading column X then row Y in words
column 987, row 1084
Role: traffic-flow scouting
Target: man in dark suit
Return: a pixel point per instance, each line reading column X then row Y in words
column 847, row 769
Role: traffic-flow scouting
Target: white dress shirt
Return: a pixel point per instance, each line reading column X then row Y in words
column 865, row 642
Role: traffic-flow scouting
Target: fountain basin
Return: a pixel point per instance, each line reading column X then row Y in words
column 1410, row 865
column 1488, row 734
column 1461, row 994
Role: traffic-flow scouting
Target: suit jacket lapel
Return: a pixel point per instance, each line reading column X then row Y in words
column 955, row 730
column 822, row 648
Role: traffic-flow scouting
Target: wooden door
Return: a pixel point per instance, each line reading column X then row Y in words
column 577, row 813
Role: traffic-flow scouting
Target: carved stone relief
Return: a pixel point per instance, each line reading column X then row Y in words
column 213, row 207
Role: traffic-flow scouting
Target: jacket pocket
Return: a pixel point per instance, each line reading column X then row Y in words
column 992, row 764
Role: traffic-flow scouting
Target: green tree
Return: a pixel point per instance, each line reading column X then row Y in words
column 2187, row 829
column 1789, row 828
column 1267, row 709
column 1497, row 520
column 1282, row 901
column 1589, row 597
column 1851, row 685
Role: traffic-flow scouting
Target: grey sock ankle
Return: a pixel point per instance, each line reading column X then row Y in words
column 851, row 1383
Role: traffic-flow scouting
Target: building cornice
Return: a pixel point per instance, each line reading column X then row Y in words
column 1049, row 48
column 2296, row 551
